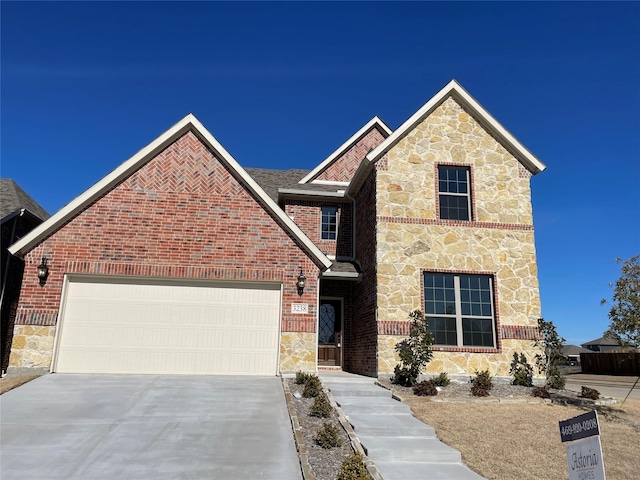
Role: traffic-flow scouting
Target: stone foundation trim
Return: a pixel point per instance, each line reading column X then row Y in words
column 455, row 223
column 519, row 332
column 44, row 319
column 292, row 324
column 175, row 271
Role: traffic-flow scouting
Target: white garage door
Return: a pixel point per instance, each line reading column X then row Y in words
column 125, row 326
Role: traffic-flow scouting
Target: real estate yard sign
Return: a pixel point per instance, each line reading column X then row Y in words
column 584, row 453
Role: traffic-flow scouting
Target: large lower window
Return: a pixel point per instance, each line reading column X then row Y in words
column 329, row 223
column 454, row 193
column 459, row 309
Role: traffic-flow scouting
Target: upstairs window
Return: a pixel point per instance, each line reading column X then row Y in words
column 454, row 187
column 329, row 223
column 459, row 309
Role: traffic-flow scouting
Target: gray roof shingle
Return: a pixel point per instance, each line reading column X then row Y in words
column 13, row 198
column 273, row 180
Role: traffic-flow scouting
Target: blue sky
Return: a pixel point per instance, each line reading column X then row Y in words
column 86, row 85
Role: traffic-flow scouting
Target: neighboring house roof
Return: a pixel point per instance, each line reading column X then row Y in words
column 375, row 122
column 460, row 95
column 574, row 350
column 188, row 123
column 13, row 199
column 605, row 341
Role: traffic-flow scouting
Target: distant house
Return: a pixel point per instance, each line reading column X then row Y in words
column 19, row 214
column 572, row 353
column 602, row 344
column 183, row 261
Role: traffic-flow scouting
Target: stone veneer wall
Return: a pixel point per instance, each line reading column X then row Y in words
column 298, row 352
column 498, row 241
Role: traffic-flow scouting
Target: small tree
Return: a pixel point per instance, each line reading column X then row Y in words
column 415, row 351
column 521, row 370
column 624, row 315
column 551, row 345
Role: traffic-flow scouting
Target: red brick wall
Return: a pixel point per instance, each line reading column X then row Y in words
column 344, row 168
column 308, row 216
column 181, row 215
column 362, row 354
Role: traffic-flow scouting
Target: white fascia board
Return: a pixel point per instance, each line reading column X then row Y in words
column 329, row 182
column 190, row 122
column 374, row 122
column 330, row 274
column 454, row 89
column 310, row 193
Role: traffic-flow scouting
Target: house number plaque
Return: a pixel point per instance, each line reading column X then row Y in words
column 299, row 308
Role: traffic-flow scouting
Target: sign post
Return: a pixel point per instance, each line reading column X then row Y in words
column 584, row 453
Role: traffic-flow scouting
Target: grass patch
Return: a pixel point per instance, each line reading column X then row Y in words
column 523, row 440
column 13, row 381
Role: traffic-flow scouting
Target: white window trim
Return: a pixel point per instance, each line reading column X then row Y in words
column 453, row 194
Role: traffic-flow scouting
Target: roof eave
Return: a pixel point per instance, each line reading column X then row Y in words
column 454, row 89
column 188, row 123
column 375, row 122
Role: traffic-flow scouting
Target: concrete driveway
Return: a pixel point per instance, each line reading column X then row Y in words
column 147, row 427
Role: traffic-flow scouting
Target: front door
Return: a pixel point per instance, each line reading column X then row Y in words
column 330, row 333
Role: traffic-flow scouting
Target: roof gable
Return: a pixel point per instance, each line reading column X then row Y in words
column 452, row 89
column 313, row 176
column 133, row 164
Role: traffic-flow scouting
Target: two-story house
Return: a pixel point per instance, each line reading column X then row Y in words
column 182, row 261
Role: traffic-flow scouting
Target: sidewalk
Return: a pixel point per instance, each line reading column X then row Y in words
column 401, row 446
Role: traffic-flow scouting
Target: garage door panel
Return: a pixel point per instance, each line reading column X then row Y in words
column 124, row 327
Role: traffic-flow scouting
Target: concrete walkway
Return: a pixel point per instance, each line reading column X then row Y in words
column 401, row 446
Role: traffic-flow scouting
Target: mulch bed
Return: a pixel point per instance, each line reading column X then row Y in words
column 325, row 463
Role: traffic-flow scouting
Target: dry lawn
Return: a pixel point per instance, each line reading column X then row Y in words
column 13, row 381
column 516, row 441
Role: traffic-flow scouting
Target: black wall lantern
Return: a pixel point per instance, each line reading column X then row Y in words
column 300, row 282
column 43, row 271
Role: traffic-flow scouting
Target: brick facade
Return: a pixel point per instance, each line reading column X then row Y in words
column 343, row 168
column 182, row 215
column 308, row 216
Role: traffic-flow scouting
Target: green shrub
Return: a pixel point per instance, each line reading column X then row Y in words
column 481, row 384
column 321, row 406
column 302, row 377
column 426, row 388
column 521, row 370
column 328, row 436
column 312, row 387
column 414, row 352
column 442, row 380
column 540, row 392
column 590, row 393
column 555, row 379
column 353, row 468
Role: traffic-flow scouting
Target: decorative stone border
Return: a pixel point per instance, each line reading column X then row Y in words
column 507, row 400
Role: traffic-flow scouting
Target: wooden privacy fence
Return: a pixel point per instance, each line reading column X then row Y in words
column 611, row 363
